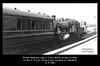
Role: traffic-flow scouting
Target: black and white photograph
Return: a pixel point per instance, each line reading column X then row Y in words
column 49, row 29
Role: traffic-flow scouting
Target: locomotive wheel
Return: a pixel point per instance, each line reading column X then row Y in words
column 83, row 34
column 80, row 36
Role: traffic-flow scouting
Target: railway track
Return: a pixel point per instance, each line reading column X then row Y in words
column 37, row 48
column 40, row 47
column 21, row 47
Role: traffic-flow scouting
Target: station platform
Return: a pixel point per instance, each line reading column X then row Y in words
column 87, row 46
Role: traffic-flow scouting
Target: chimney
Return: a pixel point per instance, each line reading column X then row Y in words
column 54, row 16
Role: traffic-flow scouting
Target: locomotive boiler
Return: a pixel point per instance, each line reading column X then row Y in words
column 69, row 26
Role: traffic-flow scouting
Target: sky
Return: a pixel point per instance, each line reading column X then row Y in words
column 78, row 11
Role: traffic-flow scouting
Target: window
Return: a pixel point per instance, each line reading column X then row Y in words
column 9, row 23
column 43, row 25
column 27, row 25
column 23, row 24
column 33, row 24
column 18, row 24
column 51, row 25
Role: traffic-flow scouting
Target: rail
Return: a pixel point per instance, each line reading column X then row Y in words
column 29, row 42
column 28, row 30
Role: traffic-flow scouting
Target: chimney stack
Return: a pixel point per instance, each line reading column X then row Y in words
column 54, row 16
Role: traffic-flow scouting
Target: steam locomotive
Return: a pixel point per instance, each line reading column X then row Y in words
column 69, row 26
column 21, row 27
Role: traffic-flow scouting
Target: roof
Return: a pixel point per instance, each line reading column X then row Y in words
column 22, row 13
